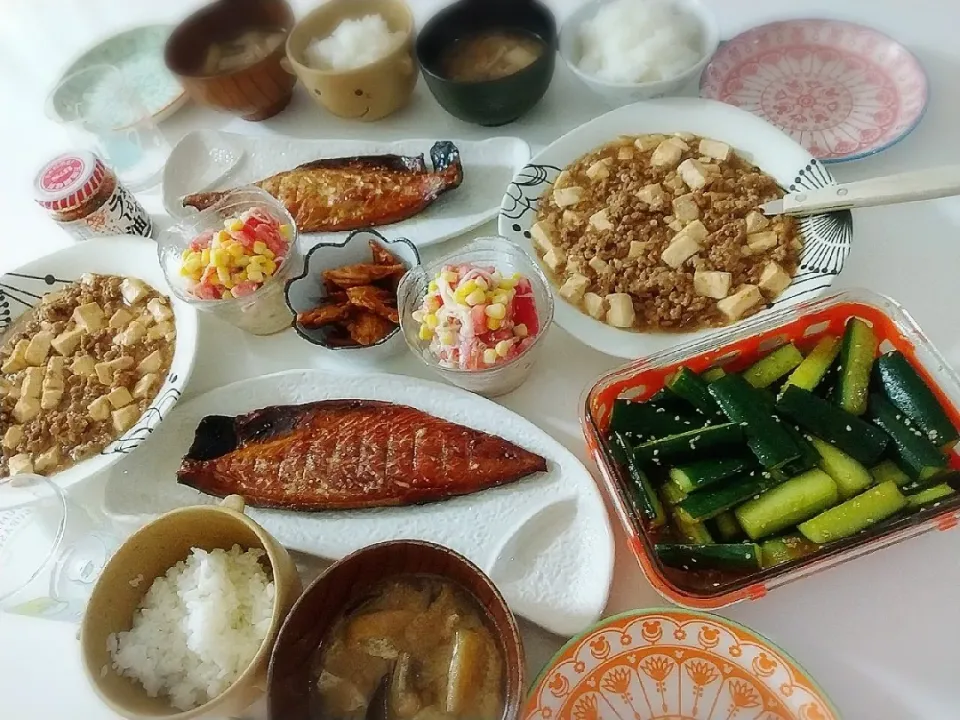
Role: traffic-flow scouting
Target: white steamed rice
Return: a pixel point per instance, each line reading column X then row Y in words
column 634, row 41
column 354, row 43
column 198, row 627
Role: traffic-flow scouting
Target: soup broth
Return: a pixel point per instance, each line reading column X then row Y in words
column 245, row 49
column 490, row 55
column 429, row 637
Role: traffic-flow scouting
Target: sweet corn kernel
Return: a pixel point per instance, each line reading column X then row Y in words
column 186, row 272
column 432, row 287
column 254, row 273
column 447, row 337
column 425, row 333
column 494, row 323
column 185, row 255
column 239, row 277
column 417, row 316
column 205, row 256
column 495, row 278
column 192, row 263
column 269, row 267
column 430, row 320
column 228, row 293
column 222, row 237
column 432, row 304
column 481, row 283
column 490, row 356
column 225, row 278
column 219, row 258
column 500, row 296
column 213, row 279
column 503, row 347
column 242, row 261
column 508, row 283
column 286, row 231
column 235, row 249
column 462, row 292
column 259, row 248
column 520, row 330
column 449, row 276
column 476, row 297
column 497, row 311
column 233, row 224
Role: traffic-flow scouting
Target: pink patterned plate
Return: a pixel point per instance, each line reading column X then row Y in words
column 841, row 90
column 672, row 664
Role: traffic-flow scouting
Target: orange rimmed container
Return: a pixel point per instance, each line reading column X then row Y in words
column 736, row 349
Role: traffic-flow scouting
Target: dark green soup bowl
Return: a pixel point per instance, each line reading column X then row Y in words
column 489, row 102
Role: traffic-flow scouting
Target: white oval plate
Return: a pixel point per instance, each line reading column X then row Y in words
column 124, row 255
column 826, row 237
column 213, row 160
column 545, row 540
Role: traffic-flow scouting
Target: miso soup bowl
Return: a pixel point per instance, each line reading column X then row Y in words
column 147, row 555
column 292, row 670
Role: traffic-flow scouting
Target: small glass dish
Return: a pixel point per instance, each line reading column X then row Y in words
column 507, row 258
column 263, row 312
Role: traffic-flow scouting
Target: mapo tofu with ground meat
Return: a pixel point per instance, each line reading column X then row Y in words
column 79, row 369
column 665, row 233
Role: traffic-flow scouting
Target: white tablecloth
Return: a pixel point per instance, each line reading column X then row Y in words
column 878, row 633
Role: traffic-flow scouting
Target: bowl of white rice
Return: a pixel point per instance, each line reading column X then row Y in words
column 631, row 50
column 182, row 621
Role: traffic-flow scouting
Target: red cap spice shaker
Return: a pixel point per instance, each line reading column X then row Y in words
column 85, row 198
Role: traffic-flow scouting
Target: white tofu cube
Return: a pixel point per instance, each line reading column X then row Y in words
column 674, row 183
column 32, row 384
column 774, row 279
column 145, row 385
column 47, row 460
column 574, row 287
column 675, row 225
column 159, row 309
column 555, row 260
column 625, row 153
column 56, row 366
column 620, row 313
column 84, row 366
column 119, row 397
column 756, row 221
column 120, row 319
column 133, row 290
column 564, row 197
column 50, row 399
column 682, row 248
column 13, row 436
column 562, row 179
column 648, row 142
column 667, row 154
column 761, row 241
column 38, row 348
column 125, row 418
column 134, row 333
column 26, row 409
column 600, row 221
column 160, row 330
column 541, row 236
column 571, row 218
column 88, row 317
column 21, row 464
column 715, row 149
column 99, row 409
column 16, row 361
column 599, row 170
column 599, row 265
column 652, row 194
column 697, row 230
column 693, row 173
column 685, row 208
column 104, row 372
column 67, row 342
column 638, row 249
column 712, row 283
column 685, row 136
column 734, row 306
column 151, row 363
column 595, row 305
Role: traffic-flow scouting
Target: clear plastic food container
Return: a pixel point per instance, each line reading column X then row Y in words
column 507, row 258
column 737, row 348
column 264, row 311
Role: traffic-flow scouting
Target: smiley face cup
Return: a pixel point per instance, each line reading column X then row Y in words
column 372, row 91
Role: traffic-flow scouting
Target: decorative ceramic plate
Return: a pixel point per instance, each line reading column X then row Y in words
column 112, row 255
column 841, row 90
column 665, row 664
column 826, row 238
column 487, row 167
column 138, row 53
column 545, row 540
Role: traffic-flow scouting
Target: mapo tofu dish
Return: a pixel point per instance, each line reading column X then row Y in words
column 665, row 233
column 419, row 644
column 79, row 369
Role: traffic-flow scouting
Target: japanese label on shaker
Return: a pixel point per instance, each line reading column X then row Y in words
column 121, row 214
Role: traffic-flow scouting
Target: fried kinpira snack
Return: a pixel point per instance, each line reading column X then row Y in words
column 361, row 303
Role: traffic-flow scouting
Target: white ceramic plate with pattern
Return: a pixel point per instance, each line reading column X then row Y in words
column 122, row 255
column 544, row 540
column 488, row 166
column 826, row 237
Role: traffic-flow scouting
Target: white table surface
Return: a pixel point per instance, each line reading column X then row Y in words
column 878, row 634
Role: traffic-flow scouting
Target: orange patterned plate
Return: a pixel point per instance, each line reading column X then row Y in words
column 672, row 664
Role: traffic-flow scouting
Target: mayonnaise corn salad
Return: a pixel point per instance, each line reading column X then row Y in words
column 474, row 317
column 237, row 260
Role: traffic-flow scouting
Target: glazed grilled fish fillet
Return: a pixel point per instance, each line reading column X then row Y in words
column 345, row 454
column 357, row 192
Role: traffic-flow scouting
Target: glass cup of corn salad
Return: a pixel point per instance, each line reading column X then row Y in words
column 233, row 260
column 477, row 316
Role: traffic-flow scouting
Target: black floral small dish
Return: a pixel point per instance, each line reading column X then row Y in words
column 489, row 102
column 362, row 301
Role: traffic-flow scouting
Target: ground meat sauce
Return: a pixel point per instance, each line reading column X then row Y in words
column 79, row 370
column 664, row 298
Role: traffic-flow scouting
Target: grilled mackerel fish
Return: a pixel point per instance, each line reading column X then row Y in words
column 347, row 454
column 357, row 192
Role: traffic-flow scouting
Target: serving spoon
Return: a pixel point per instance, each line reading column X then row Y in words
column 905, row 187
